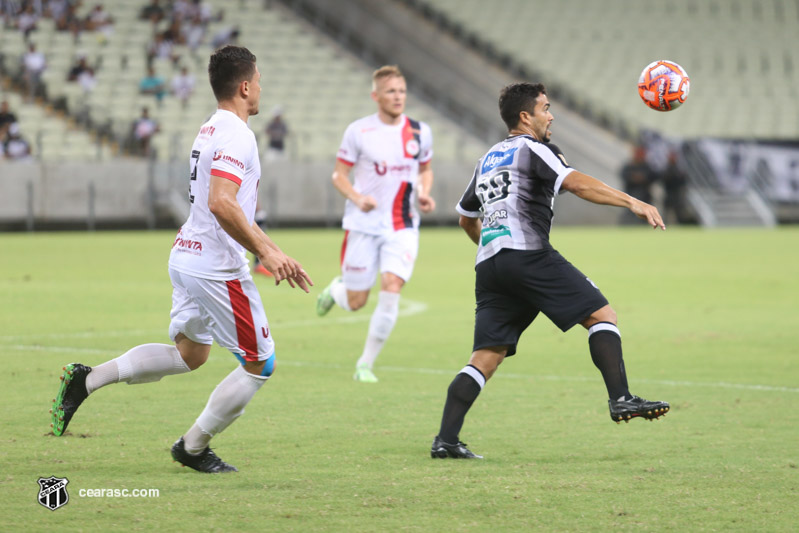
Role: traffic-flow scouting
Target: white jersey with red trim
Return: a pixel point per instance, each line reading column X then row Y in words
column 385, row 163
column 226, row 148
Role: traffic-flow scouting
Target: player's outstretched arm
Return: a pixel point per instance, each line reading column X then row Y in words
column 598, row 192
column 341, row 181
column 225, row 207
column 278, row 262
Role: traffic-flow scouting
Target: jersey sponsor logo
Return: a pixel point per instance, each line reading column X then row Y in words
column 490, row 219
column 207, row 130
column 187, row 244
column 220, row 155
column 352, row 268
column 489, row 234
column 381, row 168
column 497, row 159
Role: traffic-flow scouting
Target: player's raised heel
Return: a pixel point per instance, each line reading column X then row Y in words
column 207, row 461
column 71, row 394
column 442, row 450
column 325, row 301
column 636, row 407
column 364, row 374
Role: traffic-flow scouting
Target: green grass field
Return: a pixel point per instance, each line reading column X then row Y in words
column 709, row 321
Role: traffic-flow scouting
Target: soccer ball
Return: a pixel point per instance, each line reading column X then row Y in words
column 663, row 85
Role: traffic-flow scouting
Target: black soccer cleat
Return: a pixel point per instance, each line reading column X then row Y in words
column 207, row 461
column 636, row 407
column 71, row 394
column 442, row 450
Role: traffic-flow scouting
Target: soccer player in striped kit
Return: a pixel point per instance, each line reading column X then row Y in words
column 507, row 211
column 214, row 297
column 389, row 155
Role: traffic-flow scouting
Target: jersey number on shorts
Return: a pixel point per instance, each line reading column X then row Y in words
column 494, row 187
column 195, row 157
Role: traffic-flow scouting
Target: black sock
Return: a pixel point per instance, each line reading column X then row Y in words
column 604, row 341
column 461, row 394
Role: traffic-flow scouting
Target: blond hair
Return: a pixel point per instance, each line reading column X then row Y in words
column 386, row 71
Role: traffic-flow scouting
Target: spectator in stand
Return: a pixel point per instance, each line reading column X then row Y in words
column 174, row 33
column 276, row 132
column 194, row 33
column 69, row 21
column 7, row 118
column 153, row 84
column 143, row 130
column 16, row 148
column 225, row 36
column 161, row 48
column 27, row 21
column 637, row 176
column 33, row 65
column 56, row 9
column 674, row 181
column 152, row 12
column 100, row 21
column 82, row 73
column 183, row 86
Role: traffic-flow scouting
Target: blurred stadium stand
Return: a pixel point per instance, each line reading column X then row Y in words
column 316, row 58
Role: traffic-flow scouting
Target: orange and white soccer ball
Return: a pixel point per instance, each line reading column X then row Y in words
column 664, row 85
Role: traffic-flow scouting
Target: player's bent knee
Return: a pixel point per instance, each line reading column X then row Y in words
column 269, row 366
column 604, row 314
column 357, row 300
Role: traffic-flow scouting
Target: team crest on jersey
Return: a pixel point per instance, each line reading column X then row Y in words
column 53, row 492
column 412, row 147
column 497, row 159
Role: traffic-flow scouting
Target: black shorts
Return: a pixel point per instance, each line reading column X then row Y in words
column 513, row 286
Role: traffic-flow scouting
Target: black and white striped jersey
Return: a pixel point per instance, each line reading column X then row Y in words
column 513, row 190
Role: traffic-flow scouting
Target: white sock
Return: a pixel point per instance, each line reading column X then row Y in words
column 339, row 293
column 143, row 364
column 225, row 405
column 102, row 375
column 383, row 319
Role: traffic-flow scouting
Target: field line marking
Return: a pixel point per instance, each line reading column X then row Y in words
column 407, row 308
column 437, row 371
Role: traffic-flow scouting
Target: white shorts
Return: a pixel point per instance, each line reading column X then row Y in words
column 363, row 254
column 228, row 312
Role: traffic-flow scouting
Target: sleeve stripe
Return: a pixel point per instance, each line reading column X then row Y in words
column 227, row 175
column 464, row 212
column 561, row 177
column 348, row 163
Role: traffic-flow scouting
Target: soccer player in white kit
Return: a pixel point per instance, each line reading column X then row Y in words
column 389, row 155
column 213, row 297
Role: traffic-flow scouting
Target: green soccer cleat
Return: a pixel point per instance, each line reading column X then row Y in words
column 71, row 394
column 325, row 301
column 364, row 374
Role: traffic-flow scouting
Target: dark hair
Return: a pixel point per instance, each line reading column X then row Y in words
column 228, row 67
column 518, row 97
